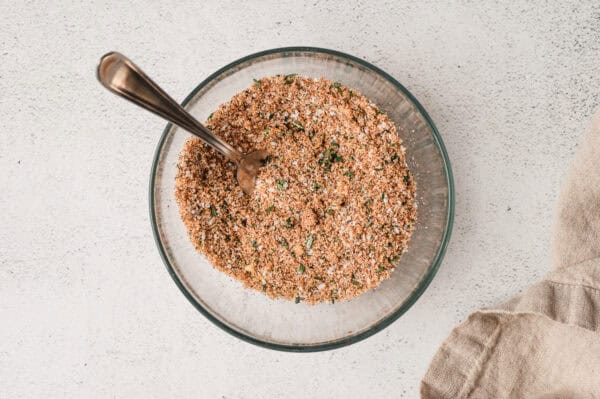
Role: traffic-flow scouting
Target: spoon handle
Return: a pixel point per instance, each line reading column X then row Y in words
column 121, row 76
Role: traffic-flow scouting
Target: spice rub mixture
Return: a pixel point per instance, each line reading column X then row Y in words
column 334, row 205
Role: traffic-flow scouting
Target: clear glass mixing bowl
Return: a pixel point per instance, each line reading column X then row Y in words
column 284, row 325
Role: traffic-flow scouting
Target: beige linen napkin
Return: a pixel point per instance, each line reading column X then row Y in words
column 544, row 343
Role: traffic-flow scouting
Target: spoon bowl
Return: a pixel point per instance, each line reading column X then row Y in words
column 248, row 169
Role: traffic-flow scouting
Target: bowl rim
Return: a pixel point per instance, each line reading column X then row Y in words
column 386, row 321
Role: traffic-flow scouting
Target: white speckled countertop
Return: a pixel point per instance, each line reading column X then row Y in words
column 87, row 307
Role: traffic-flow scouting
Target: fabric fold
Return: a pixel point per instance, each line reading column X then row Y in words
column 458, row 363
column 576, row 231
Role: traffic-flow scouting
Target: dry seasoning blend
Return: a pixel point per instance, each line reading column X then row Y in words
column 334, row 205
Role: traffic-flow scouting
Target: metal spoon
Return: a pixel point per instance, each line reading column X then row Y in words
column 121, row 76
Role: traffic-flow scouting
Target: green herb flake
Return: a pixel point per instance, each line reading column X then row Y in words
column 288, row 223
column 309, row 241
column 213, row 211
column 265, row 161
column 298, row 125
column 330, row 156
column 336, row 85
column 298, row 299
column 369, row 223
column 349, row 173
column 267, row 131
column 315, row 187
column 394, row 157
column 254, row 244
column 282, row 184
column 283, row 243
column 330, row 211
column 380, row 269
column 379, row 169
column 288, row 79
column 256, row 82
column 334, row 144
column 270, row 209
column 406, row 178
column 380, row 111
column 300, row 269
column 383, row 197
column 367, row 203
column 325, row 162
column 210, row 116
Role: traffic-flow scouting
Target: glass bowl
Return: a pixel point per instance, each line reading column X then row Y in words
column 281, row 324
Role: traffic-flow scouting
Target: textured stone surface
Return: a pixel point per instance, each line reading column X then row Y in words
column 86, row 305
